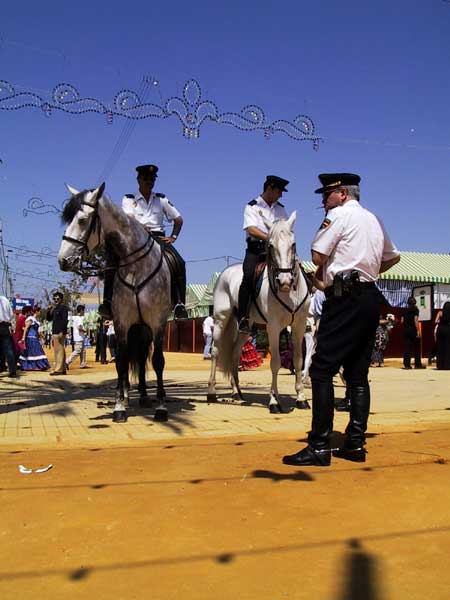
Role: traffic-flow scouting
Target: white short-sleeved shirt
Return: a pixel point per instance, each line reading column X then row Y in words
column 208, row 325
column 77, row 322
column 6, row 313
column 257, row 209
column 353, row 239
column 151, row 213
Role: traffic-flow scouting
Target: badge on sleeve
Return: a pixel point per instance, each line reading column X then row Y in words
column 325, row 224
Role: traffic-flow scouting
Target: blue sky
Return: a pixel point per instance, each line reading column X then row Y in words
column 373, row 76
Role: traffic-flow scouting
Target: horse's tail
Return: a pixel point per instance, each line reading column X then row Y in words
column 226, row 344
column 226, row 334
column 138, row 342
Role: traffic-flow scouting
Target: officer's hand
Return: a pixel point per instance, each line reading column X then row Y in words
column 168, row 240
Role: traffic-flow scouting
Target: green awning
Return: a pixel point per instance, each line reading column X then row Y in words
column 422, row 267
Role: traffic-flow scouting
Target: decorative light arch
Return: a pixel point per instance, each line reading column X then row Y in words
column 190, row 108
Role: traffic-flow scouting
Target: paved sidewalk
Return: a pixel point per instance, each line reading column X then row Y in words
column 77, row 409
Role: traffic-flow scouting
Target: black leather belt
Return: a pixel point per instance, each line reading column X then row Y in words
column 349, row 290
column 258, row 246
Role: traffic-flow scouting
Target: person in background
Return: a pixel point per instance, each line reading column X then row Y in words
column 100, row 342
column 111, row 339
column 443, row 339
column 411, row 336
column 6, row 343
column 208, row 326
column 33, row 358
column 58, row 314
column 20, row 326
column 79, row 336
column 382, row 339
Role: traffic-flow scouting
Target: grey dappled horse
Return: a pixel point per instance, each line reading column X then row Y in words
column 283, row 300
column 141, row 300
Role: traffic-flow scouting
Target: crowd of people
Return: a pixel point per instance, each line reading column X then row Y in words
column 24, row 337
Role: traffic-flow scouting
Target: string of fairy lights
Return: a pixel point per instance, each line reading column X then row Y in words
column 190, row 108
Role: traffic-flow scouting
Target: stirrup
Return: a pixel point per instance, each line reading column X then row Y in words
column 244, row 326
column 180, row 312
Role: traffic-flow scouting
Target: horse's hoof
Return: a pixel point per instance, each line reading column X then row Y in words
column 161, row 414
column 275, row 409
column 120, row 416
column 302, row 404
column 211, row 397
column 145, row 401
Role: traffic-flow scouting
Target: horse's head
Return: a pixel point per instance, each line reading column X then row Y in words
column 80, row 215
column 281, row 257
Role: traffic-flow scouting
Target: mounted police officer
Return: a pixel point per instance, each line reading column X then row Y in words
column 266, row 206
column 350, row 249
column 150, row 209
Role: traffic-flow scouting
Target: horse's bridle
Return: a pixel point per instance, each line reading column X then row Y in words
column 274, row 270
column 95, row 225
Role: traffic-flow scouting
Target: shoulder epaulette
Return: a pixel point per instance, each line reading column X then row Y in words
column 160, row 195
column 253, row 202
column 279, row 204
column 129, row 195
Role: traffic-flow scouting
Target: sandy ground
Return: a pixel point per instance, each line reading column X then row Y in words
column 204, row 515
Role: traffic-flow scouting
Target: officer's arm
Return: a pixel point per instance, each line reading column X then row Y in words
column 318, row 258
column 177, row 225
column 387, row 264
column 255, row 232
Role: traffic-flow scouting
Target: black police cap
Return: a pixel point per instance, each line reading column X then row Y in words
column 147, row 170
column 277, row 182
column 331, row 181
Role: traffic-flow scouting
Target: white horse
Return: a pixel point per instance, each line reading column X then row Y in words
column 283, row 300
column 141, row 301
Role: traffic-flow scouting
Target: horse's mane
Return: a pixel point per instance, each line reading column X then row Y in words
column 72, row 206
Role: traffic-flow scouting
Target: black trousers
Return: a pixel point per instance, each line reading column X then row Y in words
column 411, row 348
column 252, row 258
column 346, row 336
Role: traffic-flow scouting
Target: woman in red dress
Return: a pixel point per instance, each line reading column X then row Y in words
column 20, row 326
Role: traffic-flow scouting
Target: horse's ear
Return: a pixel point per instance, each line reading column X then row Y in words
column 71, row 189
column 99, row 191
column 291, row 220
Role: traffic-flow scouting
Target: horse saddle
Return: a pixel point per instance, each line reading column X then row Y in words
column 171, row 256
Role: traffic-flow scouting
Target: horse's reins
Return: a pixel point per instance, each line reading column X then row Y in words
column 137, row 287
column 95, row 224
column 272, row 272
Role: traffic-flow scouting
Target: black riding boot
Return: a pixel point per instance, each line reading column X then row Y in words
column 355, row 432
column 105, row 309
column 322, row 414
column 318, row 453
column 179, row 311
column 243, row 308
column 344, row 405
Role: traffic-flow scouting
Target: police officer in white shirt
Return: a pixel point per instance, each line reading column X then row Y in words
column 267, row 205
column 150, row 209
column 350, row 249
